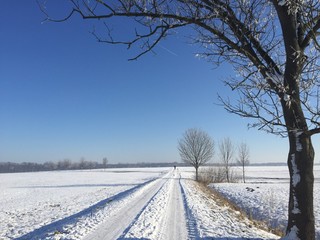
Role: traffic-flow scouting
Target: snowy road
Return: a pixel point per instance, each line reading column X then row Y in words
column 175, row 225
column 170, row 206
column 156, row 213
column 173, row 208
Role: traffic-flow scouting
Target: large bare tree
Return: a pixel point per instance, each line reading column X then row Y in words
column 272, row 44
column 196, row 148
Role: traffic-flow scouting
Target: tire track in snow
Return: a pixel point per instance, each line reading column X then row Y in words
column 191, row 220
column 163, row 217
column 152, row 199
column 174, row 225
column 63, row 226
column 120, row 222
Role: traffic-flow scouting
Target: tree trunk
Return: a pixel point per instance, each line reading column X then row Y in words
column 243, row 174
column 196, row 174
column 227, row 173
column 301, row 152
column 300, row 211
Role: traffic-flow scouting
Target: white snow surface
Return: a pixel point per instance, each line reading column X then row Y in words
column 282, row 2
column 146, row 203
column 265, row 195
column 296, row 173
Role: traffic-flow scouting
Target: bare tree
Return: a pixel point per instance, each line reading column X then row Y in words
column 196, row 148
column 226, row 150
column 104, row 162
column 273, row 46
column 243, row 158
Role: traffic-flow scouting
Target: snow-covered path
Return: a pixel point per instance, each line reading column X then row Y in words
column 156, row 213
column 174, row 208
column 174, row 226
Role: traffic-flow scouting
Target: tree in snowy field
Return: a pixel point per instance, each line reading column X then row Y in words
column 104, row 162
column 243, row 158
column 272, row 45
column 226, row 150
column 196, row 148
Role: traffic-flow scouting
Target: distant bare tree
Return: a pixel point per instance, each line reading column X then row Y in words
column 82, row 163
column 196, row 148
column 243, row 158
column 50, row 166
column 226, row 150
column 105, row 162
column 64, row 164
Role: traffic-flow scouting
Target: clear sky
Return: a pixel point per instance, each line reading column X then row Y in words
column 63, row 95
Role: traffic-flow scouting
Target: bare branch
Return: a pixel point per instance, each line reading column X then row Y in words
column 242, row 33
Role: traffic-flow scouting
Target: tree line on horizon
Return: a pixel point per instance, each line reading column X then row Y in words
column 66, row 164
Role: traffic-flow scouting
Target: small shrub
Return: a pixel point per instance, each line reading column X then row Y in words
column 216, row 175
column 219, row 175
column 205, row 175
column 233, row 176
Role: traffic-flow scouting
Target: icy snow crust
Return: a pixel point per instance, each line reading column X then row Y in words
column 153, row 203
column 265, row 195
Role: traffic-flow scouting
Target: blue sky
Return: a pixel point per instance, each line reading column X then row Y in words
column 63, row 95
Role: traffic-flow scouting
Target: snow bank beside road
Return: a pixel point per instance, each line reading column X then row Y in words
column 265, row 196
column 216, row 220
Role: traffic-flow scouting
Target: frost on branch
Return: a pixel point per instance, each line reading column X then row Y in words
column 293, row 6
column 276, row 78
column 287, row 99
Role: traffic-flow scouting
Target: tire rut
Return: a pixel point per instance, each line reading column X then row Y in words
column 118, row 224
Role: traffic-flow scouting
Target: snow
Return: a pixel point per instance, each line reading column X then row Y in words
column 296, row 173
column 265, row 195
column 282, row 2
column 30, row 201
column 286, row 97
column 218, row 221
column 166, row 209
column 295, row 209
column 293, row 234
column 298, row 144
column 150, row 203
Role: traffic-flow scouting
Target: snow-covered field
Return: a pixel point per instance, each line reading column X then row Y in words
column 265, row 194
column 33, row 200
column 146, row 203
column 149, row 203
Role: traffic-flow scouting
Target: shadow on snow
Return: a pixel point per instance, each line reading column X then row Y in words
column 78, row 186
column 204, row 238
column 57, row 226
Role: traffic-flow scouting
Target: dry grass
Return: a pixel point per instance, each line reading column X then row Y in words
column 222, row 201
column 216, row 175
